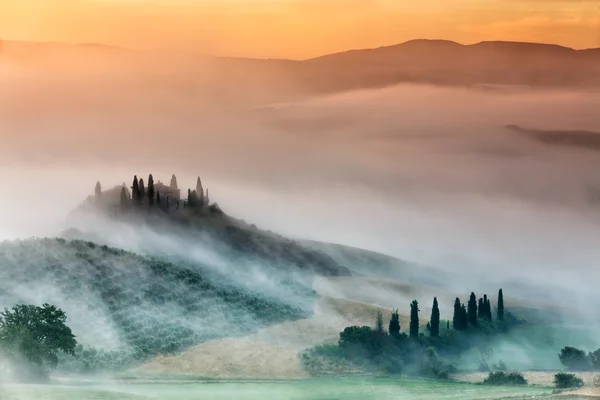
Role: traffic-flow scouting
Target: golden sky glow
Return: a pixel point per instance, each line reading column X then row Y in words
column 297, row 28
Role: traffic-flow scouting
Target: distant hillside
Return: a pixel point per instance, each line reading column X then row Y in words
column 571, row 138
column 418, row 61
column 369, row 263
column 117, row 299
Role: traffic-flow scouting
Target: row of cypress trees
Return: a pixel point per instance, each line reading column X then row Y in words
column 464, row 315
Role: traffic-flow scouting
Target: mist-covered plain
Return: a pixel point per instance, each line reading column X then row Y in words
column 427, row 174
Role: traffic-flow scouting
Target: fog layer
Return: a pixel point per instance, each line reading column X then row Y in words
column 425, row 173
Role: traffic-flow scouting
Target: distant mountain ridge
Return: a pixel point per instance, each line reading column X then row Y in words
column 417, row 61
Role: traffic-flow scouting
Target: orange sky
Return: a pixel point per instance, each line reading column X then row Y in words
column 297, row 28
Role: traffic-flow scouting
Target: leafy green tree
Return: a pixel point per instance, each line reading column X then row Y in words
column 574, row 359
column 472, row 310
column 150, row 193
column 414, row 320
column 435, row 319
column 394, row 327
column 500, row 310
column 567, row 381
column 35, row 335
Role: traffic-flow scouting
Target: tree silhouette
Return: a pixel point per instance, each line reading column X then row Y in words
column 135, row 188
column 480, row 308
column 158, row 198
column 173, row 184
column 200, row 192
column 472, row 310
column 457, row 316
column 98, row 190
column 379, row 323
column 414, row 320
column 464, row 318
column 124, row 198
column 487, row 307
column 500, row 310
column 394, row 327
column 150, row 190
column 142, row 190
column 435, row 319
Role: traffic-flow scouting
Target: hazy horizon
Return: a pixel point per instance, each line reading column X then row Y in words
column 297, row 29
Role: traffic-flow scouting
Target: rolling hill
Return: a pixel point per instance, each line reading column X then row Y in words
column 417, row 61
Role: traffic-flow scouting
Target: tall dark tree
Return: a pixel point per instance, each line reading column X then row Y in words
column 379, row 323
column 135, row 189
column 456, row 318
column 124, row 198
column 206, row 198
column 472, row 310
column 414, row 320
column 189, row 198
column 464, row 317
column 158, row 199
column 200, row 192
column 448, row 325
column 142, row 191
column 500, row 310
column 480, row 308
column 150, row 193
column 98, row 190
column 487, row 309
column 394, row 327
column 173, row 184
column 435, row 319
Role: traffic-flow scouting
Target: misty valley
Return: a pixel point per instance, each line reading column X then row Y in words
column 208, row 306
column 415, row 221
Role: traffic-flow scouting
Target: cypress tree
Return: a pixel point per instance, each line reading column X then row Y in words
column 98, row 190
column 472, row 310
column 464, row 318
column 480, row 308
column 456, row 318
column 124, row 199
column 135, row 188
column 394, row 327
column 448, row 325
column 414, row 320
column 206, row 198
column 487, row 312
column 150, row 193
column 435, row 319
column 200, row 192
column 379, row 323
column 142, row 191
column 500, row 305
column 158, row 199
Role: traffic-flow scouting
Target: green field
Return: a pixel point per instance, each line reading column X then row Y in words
column 317, row 389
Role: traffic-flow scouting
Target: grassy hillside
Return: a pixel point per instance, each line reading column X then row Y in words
column 118, row 299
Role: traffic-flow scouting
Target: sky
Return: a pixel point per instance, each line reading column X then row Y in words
column 297, row 29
